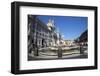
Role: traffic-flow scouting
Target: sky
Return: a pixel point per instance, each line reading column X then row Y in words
column 70, row 27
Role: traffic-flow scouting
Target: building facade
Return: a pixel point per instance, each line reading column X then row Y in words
column 41, row 35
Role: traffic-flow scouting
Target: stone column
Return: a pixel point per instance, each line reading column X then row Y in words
column 59, row 52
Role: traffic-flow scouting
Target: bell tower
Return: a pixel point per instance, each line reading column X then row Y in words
column 51, row 25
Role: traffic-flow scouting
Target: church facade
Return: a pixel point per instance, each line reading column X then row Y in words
column 40, row 34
